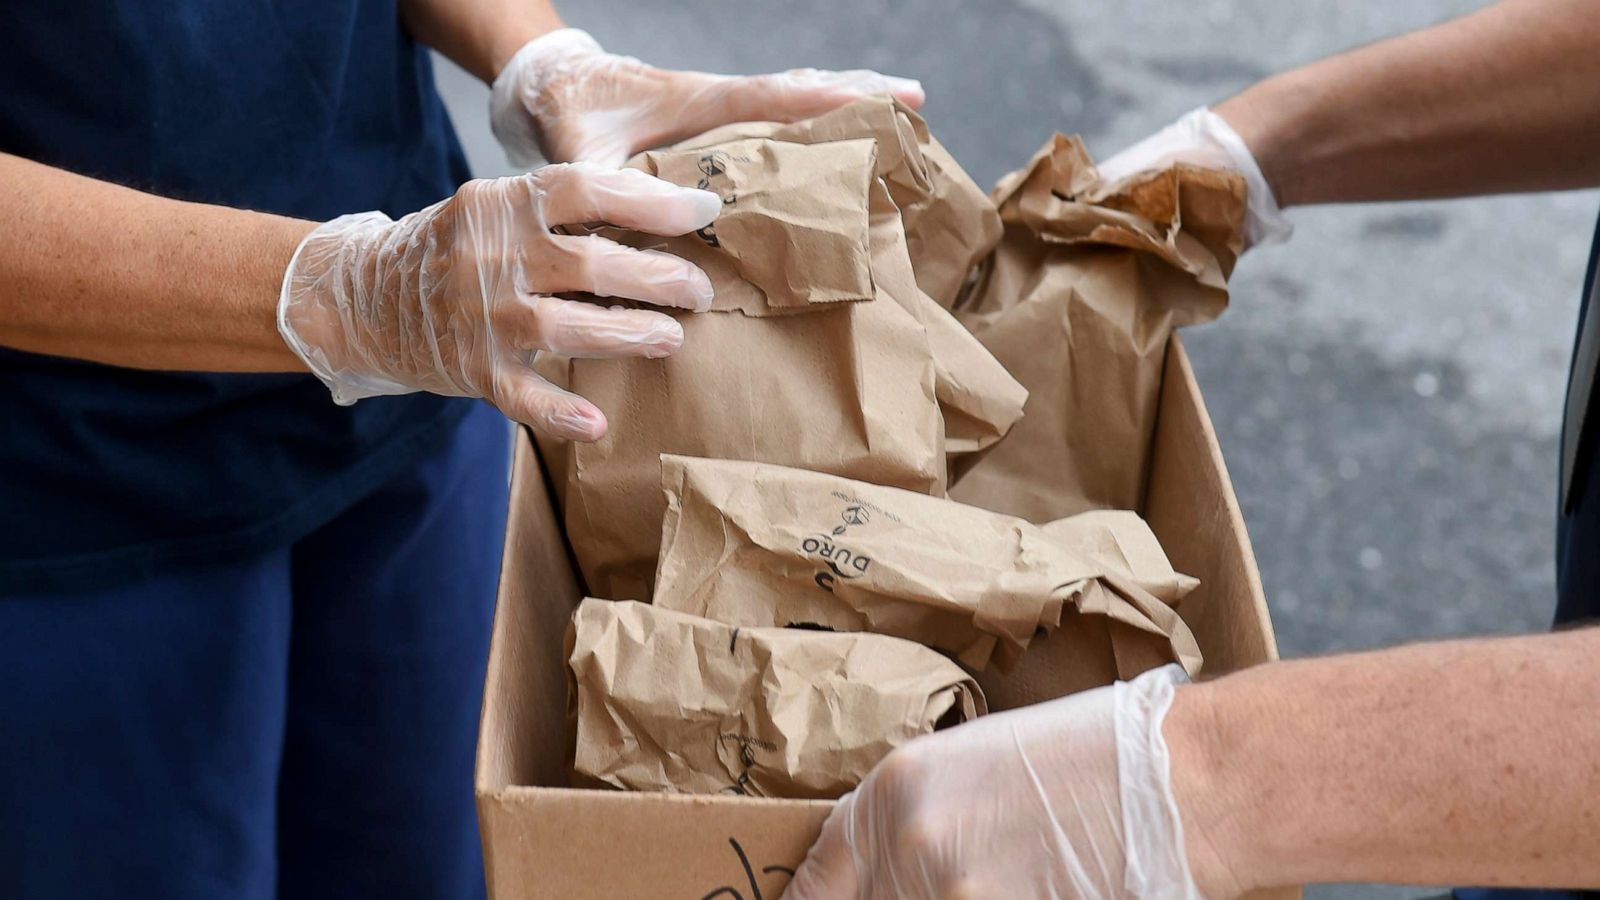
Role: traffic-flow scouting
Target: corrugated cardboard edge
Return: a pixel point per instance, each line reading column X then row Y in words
column 509, row 753
column 1182, row 517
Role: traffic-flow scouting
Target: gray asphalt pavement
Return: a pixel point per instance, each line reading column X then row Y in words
column 1387, row 387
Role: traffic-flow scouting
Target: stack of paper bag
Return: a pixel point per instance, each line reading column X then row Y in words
column 671, row 702
column 820, row 351
column 759, row 545
column 809, row 576
column 1078, row 302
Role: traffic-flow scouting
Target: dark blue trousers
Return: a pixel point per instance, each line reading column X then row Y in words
column 300, row 724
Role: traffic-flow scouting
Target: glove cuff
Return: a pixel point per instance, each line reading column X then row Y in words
column 1264, row 221
column 524, row 77
column 314, row 303
column 1157, row 862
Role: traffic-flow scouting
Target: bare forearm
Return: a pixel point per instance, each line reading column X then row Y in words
column 1506, row 99
column 97, row 271
column 1471, row 762
column 478, row 35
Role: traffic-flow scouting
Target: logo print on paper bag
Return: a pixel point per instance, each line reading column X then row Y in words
column 854, row 515
column 748, row 746
column 842, row 561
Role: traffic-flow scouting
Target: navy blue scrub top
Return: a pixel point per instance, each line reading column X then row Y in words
column 310, row 108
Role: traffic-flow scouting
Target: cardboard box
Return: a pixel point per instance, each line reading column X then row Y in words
column 543, row 839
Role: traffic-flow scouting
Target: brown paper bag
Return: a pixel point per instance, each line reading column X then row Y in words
column 670, row 702
column 950, row 223
column 760, row 545
column 817, row 353
column 1120, row 540
column 1090, row 649
column 978, row 399
column 1078, row 302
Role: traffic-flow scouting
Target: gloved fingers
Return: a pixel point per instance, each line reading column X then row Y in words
column 581, row 192
column 585, row 330
column 802, row 93
column 525, row 397
column 829, row 870
column 605, row 268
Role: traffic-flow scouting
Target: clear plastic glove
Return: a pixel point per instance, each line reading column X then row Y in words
column 456, row 299
column 1204, row 138
column 564, row 98
column 1070, row 799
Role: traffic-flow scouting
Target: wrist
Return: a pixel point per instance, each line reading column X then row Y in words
column 507, row 42
column 520, row 98
column 1217, row 805
column 281, row 241
column 327, row 283
column 1271, row 120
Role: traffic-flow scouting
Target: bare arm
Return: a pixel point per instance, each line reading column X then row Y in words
column 97, row 271
column 478, row 35
column 1506, row 99
column 1470, row 762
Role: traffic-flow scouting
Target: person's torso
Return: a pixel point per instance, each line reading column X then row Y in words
column 310, row 108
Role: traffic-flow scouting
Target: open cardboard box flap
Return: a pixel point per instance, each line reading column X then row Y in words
column 543, row 839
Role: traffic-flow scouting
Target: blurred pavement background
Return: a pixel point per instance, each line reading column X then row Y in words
column 1387, row 388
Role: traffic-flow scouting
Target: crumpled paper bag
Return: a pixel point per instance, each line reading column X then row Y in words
column 1122, row 541
column 820, row 351
column 761, row 545
column 950, row 225
column 950, row 222
column 1095, row 644
column 1078, row 301
column 670, row 702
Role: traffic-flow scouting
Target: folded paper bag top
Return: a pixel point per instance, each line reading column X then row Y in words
column 1187, row 216
column 1079, row 301
column 794, row 225
column 671, row 702
column 950, row 222
column 789, row 367
column 761, row 545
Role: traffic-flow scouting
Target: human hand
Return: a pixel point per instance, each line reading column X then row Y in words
column 1203, row 138
column 458, row 298
column 1069, row 799
column 563, row 97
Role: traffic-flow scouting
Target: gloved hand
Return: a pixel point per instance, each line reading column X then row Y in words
column 456, row 299
column 565, row 98
column 1070, row 799
column 1204, row 138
